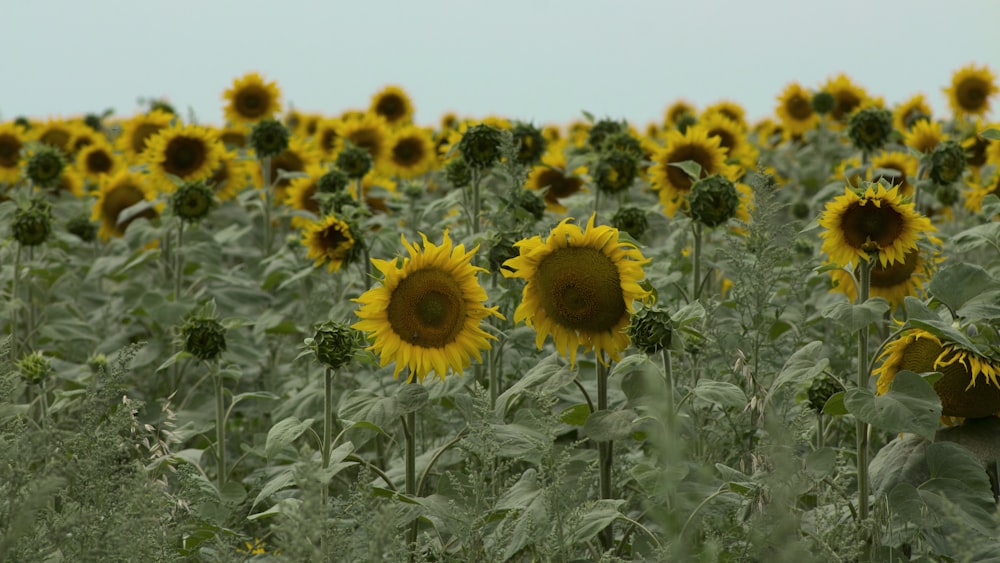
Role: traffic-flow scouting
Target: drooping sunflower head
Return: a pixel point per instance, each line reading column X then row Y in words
column 971, row 89
column 251, row 99
column 795, row 109
column 117, row 193
column 426, row 314
column 969, row 387
column 874, row 222
column 694, row 145
column 924, row 136
column 894, row 282
column 581, row 285
column 189, row 152
column 137, row 131
column 911, row 112
column 410, row 152
column 12, row 139
column 329, row 241
column 393, row 104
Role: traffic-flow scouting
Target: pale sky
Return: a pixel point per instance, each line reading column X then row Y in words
column 543, row 60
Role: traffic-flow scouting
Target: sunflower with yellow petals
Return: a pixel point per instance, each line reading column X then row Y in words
column 968, row 388
column 849, row 96
column 58, row 133
column 410, row 152
column 137, row 131
column 117, row 193
column 371, row 184
column 924, row 136
column 427, row 312
column 728, row 109
column 795, row 110
column 326, row 138
column 250, row 99
column 297, row 157
column 12, row 139
column 98, row 159
column 302, row 123
column 234, row 136
column 71, row 182
column 581, row 284
column 903, row 164
column 231, row 177
column 695, row 144
column 977, row 191
column 970, row 91
column 300, row 195
column 873, row 221
column 393, row 104
column 894, row 282
column 732, row 137
column 911, row 112
column 675, row 111
column 368, row 131
column 189, row 152
column 553, row 180
column 329, row 241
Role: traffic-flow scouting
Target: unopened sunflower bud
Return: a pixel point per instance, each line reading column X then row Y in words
column 45, row 166
column 480, row 146
column 269, row 138
column 81, row 226
column 192, row 201
column 32, row 225
column 820, row 391
column 823, row 102
column 601, row 131
column 34, row 368
column 947, row 162
column 204, row 338
column 631, row 220
column 332, row 181
column 870, row 128
column 651, row 329
column 713, row 200
column 354, row 161
column 458, row 172
column 530, row 143
column 615, row 171
column 334, row 344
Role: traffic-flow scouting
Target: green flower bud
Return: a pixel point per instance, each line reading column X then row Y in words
column 332, row 181
column 651, row 329
column 45, row 166
column 823, row 102
column 820, row 391
column 34, row 368
column 713, row 200
column 530, row 143
column 532, row 203
column 947, row 162
column 458, row 172
column 32, row 225
column 600, row 131
column 623, row 142
column 631, row 220
column 192, row 201
column 869, row 129
column 946, row 194
column 800, row 209
column 93, row 121
column 480, row 146
column 204, row 338
column 268, row 138
column 97, row 363
column 334, row 344
column 81, row 226
column 354, row 160
column 615, row 171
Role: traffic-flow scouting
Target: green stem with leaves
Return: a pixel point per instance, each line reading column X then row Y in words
column 605, row 450
column 29, row 336
column 178, row 262
column 668, row 375
column 477, row 177
column 864, row 283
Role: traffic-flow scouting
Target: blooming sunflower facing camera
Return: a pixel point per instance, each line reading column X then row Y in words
column 329, row 241
column 971, row 90
column 250, row 99
column 189, row 152
column 580, row 287
column 695, row 144
column 426, row 314
column 873, row 221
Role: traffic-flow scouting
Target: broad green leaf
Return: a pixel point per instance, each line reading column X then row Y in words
column 689, row 167
column 991, row 207
column 991, row 134
column 411, row 397
column 910, row 405
column 575, row 415
column 902, row 461
column 549, row 375
column 946, row 332
column 803, row 366
column 983, row 306
column 719, row 393
column 917, row 309
column 282, row 480
column 835, row 405
column 599, row 515
column 857, row 316
column 284, row 505
column 821, row 462
column 232, row 493
column 956, row 284
column 518, row 441
column 690, row 313
column 980, row 235
column 641, row 380
column 951, row 460
column 363, row 404
column 284, row 433
column 606, row 425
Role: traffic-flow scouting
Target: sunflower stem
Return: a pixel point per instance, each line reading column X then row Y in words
column 604, row 451
column 696, row 261
column 178, row 262
column 43, row 404
column 360, row 189
column 29, row 337
column 220, row 426
column 668, row 376
column 409, row 432
column 819, row 430
column 864, row 282
column 597, row 203
column 13, row 312
column 265, row 168
column 476, row 202
column 327, row 430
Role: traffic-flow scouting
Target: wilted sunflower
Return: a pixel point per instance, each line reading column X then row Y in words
column 12, row 138
column 392, row 104
column 137, row 131
column 553, row 180
column 410, row 152
column 189, row 152
column 908, row 276
column 911, row 112
column 329, row 241
column 849, row 97
column 970, row 90
column 795, row 109
column 672, row 183
column 904, row 164
column 580, row 288
column 368, row 131
column 250, row 99
column 96, row 160
column 117, row 193
column 969, row 387
column 924, row 136
column 876, row 220
column 427, row 312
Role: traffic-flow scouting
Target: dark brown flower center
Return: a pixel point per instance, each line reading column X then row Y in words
column 897, row 273
column 367, row 138
column 697, row 153
column 391, row 107
column 847, row 102
column 799, row 107
column 883, row 225
column 99, row 162
column 408, row 151
column 580, row 289
column 142, row 134
column 252, row 102
column 971, row 94
column 120, row 198
column 10, row 149
column 427, row 308
column 184, row 156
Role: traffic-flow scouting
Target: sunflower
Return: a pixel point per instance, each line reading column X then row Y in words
column 137, row 131
column 877, row 220
column 905, row 165
column 392, row 104
column 732, row 137
column 410, row 152
column 849, row 96
column 189, row 152
column 300, row 195
column 301, row 123
column 580, row 288
column 675, row 111
column 71, row 182
column 553, row 179
column 427, row 312
column 231, row 177
column 250, row 99
column 368, row 131
column 326, row 138
column 234, row 136
column 96, row 160
column 728, row 109
column 924, row 135
column 908, row 276
column 795, row 109
column 978, row 191
column 373, row 180
column 57, row 133
column 970, row 91
column 329, row 241
column 976, row 146
column 694, row 145
column 117, row 193
column 768, row 134
column 12, row 139
column 968, row 388
column 297, row 157
column 911, row 112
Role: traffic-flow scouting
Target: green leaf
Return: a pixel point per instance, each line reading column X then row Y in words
column 902, row 460
column 282, row 480
column 364, row 404
column 518, row 441
column 599, row 515
column 411, row 397
column 803, row 366
column 642, row 380
column 821, row 462
column 987, row 234
column 991, row 134
column 548, row 376
column 232, row 493
column 575, row 415
column 284, row 433
column 910, row 405
column 917, row 309
column 835, row 405
column 693, row 312
column 857, row 316
column 946, row 332
column 956, row 284
column 954, row 461
column 605, row 425
column 719, row 393
column 689, row 167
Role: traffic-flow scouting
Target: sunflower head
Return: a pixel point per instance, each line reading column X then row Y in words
column 480, row 146
column 250, row 99
column 269, row 138
column 651, row 329
column 924, row 135
column 34, row 368
column 820, row 391
column 354, row 161
column 118, row 192
column 823, row 102
column 947, row 163
column 188, row 152
column 427, row 312
column 795, row 109
column 631, row 220
column 713, row 200
column 870, row 128
column 603, row 129
column 32, row 224
column 203, row 336
column 45, row 166
column 82, row 227
column 615, row 171
column 332, row 181
column 669, row 177
column 393, row 104
column 330, row 241
column 458, row 172
column 12, row 137
column 334, row 344
column 529, row 142
column 971, row 89
column 192, row 201
column 411, row 152
column 581, row 284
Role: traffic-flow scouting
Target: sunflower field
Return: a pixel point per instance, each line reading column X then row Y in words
column 349, row 337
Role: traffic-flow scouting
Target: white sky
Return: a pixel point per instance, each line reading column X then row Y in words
column 540, row 60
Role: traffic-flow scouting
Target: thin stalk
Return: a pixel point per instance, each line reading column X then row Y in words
column 604, row 452
column 359, row 188
column 476, row 201
column 668, row 375
column 43, row 404
column 819, row 431
column 220, row 426
column 29, row 336
column 265, row 168
column 327, row 427
column 696, row 262
column 15, row 349
column 864, row 283
column 597, row 202
column 494, row 378
column 409, row 432
column 178, row 262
